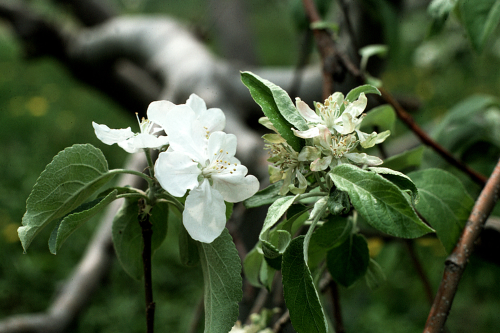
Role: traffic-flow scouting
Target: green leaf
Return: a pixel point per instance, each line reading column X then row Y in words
column 251, row 267
column 383, row 117
column 439, row 10
column 331, row 234
column 444, row 203
column 370, row 50
column 275, row 212
column 374, row 275
column 400, row 179
column 367, row 89
column 75, row 219
column 380, row 202
column 264, row 197
column 127, row 235
column 480, row 18
column 409, row 159
column 277, row 106
column 301, row 296
column 221, row 267
column 188, row 248
column 348, row 261
column 68, row 181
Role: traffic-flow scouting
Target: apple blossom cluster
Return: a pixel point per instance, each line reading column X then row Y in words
column 334, row 138
column 200, row 158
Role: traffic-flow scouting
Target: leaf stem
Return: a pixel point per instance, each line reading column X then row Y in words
column 133, row 172
column 147, row 233
column 318, row 212
column 310, row 195
column 150, row 162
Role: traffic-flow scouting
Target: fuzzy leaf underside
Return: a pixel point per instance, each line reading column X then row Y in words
column 221, row 267
column 69, row 180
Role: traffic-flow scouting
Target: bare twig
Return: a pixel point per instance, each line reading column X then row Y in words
column 83, row 281
column 333, row 60
column 337, row 312
column 420, row 270
column 457, row 260
column 282, row 321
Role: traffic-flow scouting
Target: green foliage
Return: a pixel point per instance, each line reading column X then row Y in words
column 480, row 18
column 383, row 117
column 348, row 261
column 301, row 296
column 444, row 203
column 380, row 202
column 76, row 218
column 439, row 10
column 127, row 235
column 67, row 182
column 265, row 196
column 406, row 160
column 331, row 234
column 400, row 179
column 221, row 273
column 188, row 248
column 277, row 106
column 366, row 89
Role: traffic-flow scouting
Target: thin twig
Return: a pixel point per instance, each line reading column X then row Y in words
column 333, row 60
column 420, row 270
column 457, row 260
column 280, row 324
column 337, row 311
column 147, row 232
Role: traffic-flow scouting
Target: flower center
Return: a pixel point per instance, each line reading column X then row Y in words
column 218, row 164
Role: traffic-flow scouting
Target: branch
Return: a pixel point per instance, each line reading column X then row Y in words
column 457, row 260
column 85, row 279
column 333, row 60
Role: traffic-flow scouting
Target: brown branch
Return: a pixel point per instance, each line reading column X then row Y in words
column 333, row 60
column 457, row 260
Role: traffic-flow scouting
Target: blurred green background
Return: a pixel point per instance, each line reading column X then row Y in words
column 43, row 110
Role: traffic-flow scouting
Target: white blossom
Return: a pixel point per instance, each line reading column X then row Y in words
column 202, row 162
column 133, row 142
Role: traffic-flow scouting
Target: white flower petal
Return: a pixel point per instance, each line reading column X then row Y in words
column 186, row 133
column 204, row 214
column 306, row 112
column 143, row 140
column 221, row 141
column 197, row 104
column 158, row 112
column 357, row 107
column 235, row 187
column 310, row 133
column 176, row 172
column 363, row 158
column 111, row 136
column 321, row 163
